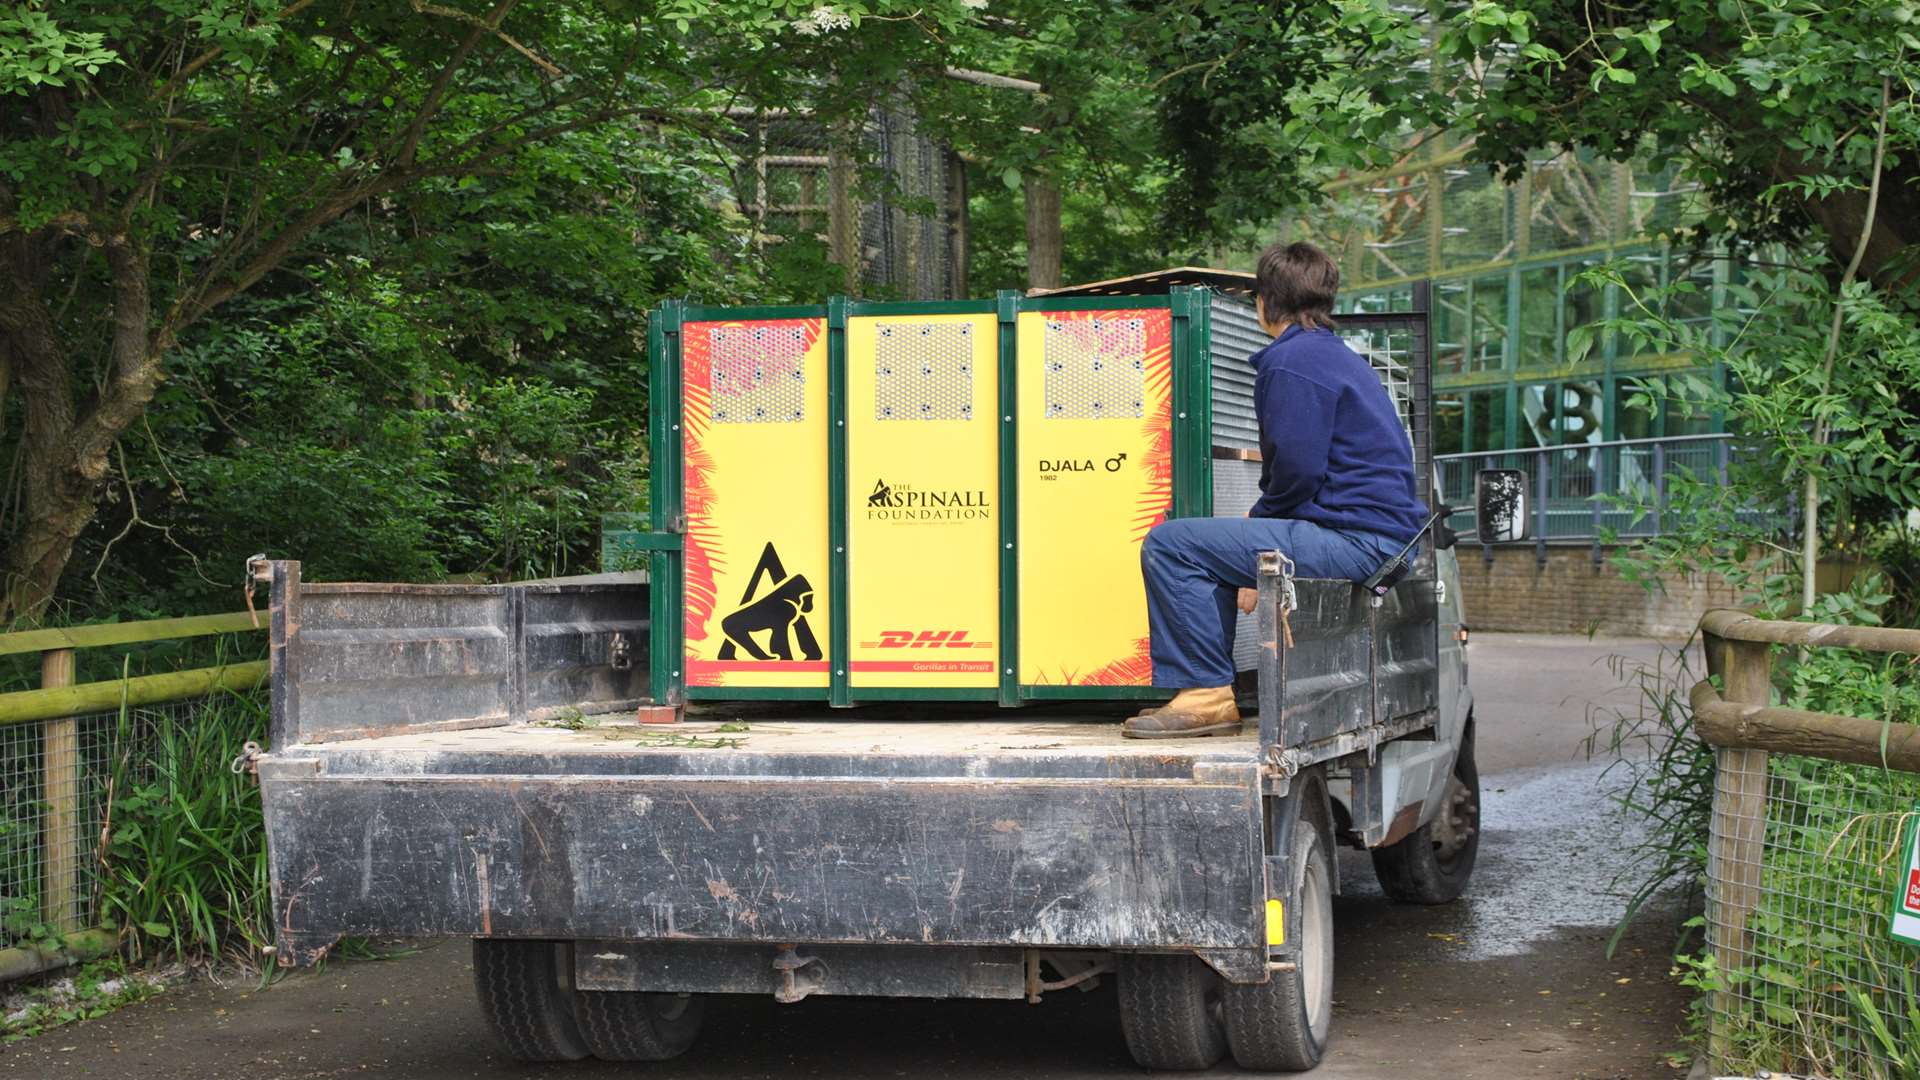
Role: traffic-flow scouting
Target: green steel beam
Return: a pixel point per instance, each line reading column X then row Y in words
column 840, row 633
column 1007, row 306
column 1093, row 303
column 919, row 307
column 666, row 510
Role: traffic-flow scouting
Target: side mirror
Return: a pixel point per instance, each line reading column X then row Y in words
column 1500, row 505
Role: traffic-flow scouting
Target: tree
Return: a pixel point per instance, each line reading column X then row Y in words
column 1796, row 118
column 161, row 161
column 158, row 161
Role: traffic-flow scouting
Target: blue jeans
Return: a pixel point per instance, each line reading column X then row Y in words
column 1193, row 566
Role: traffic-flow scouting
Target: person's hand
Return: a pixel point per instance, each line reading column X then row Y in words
column 1247, row 599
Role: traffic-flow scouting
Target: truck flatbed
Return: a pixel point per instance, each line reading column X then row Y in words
column 880, row 742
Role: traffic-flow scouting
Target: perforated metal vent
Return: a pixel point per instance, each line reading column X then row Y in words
column 759, row 374
column 923, row 371
column 1095, row 368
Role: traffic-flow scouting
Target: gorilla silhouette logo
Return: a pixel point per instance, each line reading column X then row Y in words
column 780, row 613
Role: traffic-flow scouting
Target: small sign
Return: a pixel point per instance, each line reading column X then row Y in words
column 1906, row 906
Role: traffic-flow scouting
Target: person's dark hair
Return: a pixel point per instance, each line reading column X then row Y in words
column 1296, row 283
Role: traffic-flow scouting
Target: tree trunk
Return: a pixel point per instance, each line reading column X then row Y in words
column 1043, row 232
column 64, row 450
column 1888, row 236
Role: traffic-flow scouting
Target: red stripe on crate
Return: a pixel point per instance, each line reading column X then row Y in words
column 756, row 665
column 923, row 665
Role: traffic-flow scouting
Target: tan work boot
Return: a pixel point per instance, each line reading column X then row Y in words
column 1191, row 713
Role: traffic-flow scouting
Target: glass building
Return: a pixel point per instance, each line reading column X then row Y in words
column 1503, row 259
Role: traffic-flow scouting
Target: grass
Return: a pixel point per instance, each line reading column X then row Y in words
column 184, row 870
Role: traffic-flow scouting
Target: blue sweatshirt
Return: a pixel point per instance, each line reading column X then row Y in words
column 1332, row 448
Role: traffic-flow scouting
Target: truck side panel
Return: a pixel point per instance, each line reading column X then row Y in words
column 359, row 660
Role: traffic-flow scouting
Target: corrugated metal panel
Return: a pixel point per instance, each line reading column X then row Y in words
column 1236, row 336
column 1236, row 487
column 1236, row 484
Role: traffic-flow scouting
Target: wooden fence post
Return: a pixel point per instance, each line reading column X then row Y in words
column 60, row 788
column 1739, row 824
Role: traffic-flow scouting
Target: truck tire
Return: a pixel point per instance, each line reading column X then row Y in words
column 1282, row 1025
column 633, row 1026
column 526, row 994
column 1170, row 1011
column 1433, row 864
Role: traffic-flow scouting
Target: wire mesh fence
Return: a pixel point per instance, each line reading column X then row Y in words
column 58, row 783
column 1804, row 860
column 878, row 197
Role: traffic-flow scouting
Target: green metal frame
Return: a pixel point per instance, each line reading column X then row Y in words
column 840, row 635
column 1007, row 304
column 1192, row 336
column 665, row 506
column 1192, row 485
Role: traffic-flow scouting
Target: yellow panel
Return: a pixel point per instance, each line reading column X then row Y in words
column 922, row 478
column 755, row 429
column 1096, row 472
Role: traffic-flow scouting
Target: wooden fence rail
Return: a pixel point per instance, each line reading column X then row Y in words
column 57, row 706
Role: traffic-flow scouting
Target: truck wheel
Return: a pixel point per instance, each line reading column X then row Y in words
column 633, row 1026
column 526, row 993
column 1433, row 864
column 1282, row 1025
column 1170, row 1011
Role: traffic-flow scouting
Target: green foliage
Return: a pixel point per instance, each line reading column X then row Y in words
column 1819, row 934
column 35, row 51
column 1667, row 775
column 94, row 989
column 1772, row 344
column 185, row 866
column 1770, row 106
column 1109, row 223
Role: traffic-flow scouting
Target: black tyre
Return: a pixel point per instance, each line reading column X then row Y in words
column 1283, row 1025
column 1433, row 864
column 1170, row 1011
column 526, row 993
column 632, row 1026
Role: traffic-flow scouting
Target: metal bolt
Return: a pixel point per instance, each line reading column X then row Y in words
column 1008, row 419
column 839, row 549
column 676, row 674
column 1009, row 547
column 1183, row 416
column 1009, row 671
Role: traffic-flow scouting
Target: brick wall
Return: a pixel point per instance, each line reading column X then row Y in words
column 1570, row 595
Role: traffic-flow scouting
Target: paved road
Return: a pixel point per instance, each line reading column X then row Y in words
column 1510, row 982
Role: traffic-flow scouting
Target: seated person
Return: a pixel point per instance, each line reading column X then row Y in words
column 1337, row 496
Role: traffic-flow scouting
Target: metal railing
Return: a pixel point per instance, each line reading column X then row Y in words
column 59, row 746
column 1806, row 865
column 1583, row 491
